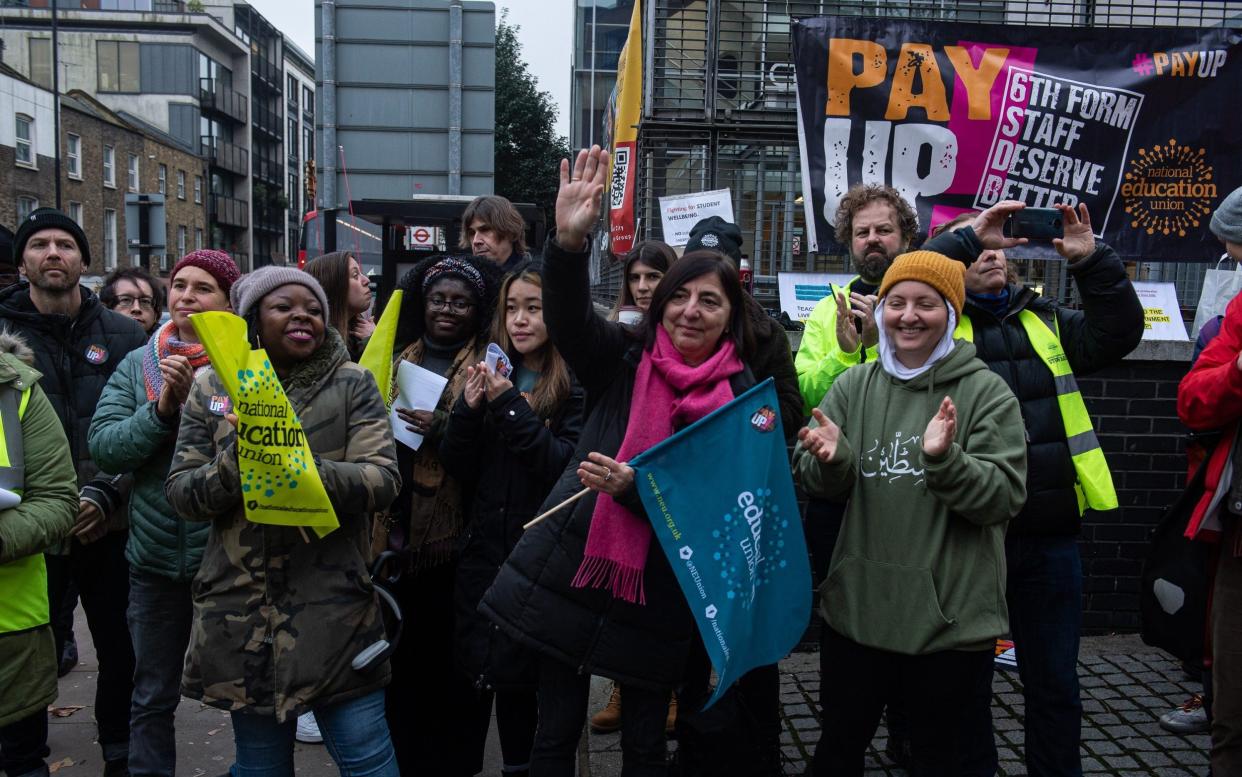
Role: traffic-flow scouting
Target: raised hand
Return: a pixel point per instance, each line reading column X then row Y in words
column 847, row 333
column 941, row 429
column 1079, row 241
column 989, row 226
column 476, row 386
column 578, row 199
column 820, row 442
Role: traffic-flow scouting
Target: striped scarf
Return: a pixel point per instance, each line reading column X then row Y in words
column 164, row 343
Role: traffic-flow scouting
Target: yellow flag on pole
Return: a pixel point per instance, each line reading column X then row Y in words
column 629, row 97
column 279, row 481
column 377, row 356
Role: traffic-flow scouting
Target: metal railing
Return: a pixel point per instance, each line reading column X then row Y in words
column 230, row 211
column 217, row 97
column 266, row 119
column 224, row 154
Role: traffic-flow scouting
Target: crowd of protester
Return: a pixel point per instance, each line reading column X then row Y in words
column 121, row 487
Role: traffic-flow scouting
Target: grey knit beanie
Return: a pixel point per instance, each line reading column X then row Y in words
column 1227, row 220
column 254, row 286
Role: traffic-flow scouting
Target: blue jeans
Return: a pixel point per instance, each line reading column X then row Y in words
column 1045, row 620
column 354, row 731
column 160, row 615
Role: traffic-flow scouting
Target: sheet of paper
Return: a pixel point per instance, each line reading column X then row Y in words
column 417, row 389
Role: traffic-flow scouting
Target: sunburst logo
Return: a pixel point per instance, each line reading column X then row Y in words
column 1168, row 188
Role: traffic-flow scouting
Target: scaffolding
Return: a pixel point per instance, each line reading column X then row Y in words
column 719, row 112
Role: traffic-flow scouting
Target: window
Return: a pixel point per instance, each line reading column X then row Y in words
column 118, row 66
column 293, row 137
column 292, row 88
column 75, row 213
column 109, row 159
column 41, row 61
column 133, row 173
column 308, row 100
column 308, row 143
column 198, row 191
column 109, row 236
column 163, row 184
column 181, row 241
column 25, row 141
column 198, row 238
column 294, row 192
column 181, row 184
column 26, row 206
column 73, row 155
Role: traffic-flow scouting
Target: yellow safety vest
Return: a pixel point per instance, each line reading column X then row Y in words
column 23, row 582
column 1095, row 482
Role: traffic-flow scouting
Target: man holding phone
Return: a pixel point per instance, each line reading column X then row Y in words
column 1038, row 348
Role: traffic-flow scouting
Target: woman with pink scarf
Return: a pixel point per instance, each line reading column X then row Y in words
column 588, row 588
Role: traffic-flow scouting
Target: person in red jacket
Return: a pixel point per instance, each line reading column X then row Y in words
column 1210, row 397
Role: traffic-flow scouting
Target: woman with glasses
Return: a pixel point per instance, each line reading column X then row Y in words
column 131, row 291
column 445, row 317
column 134, row 430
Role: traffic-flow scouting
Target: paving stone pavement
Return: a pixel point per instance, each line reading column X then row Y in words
column 1126, row 687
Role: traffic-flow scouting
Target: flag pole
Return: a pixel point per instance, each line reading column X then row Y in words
column 566, row 503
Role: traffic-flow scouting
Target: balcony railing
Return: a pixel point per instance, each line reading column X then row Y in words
column 268, row 171
column 217, row 97
column 223, row 154
column 230, row 211
column 266, row 119
column 263, row 67
column 268, row 219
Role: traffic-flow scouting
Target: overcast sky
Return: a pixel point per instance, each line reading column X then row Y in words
column 546, row 34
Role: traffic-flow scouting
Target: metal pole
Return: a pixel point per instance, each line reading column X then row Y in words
column 454, row 97
column 328, row 144
column 56, row 97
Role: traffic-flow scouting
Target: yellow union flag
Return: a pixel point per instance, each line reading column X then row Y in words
column 279, row 481
column 377, row 356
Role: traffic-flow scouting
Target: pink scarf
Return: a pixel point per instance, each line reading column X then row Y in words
column 668, row 393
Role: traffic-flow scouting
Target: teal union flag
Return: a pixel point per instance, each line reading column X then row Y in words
column 720, row 498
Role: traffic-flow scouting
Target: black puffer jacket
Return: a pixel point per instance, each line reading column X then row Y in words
column 774, row 359
column 1108, row 327
column 532, row 599
column 509, row 459
column 76, row 357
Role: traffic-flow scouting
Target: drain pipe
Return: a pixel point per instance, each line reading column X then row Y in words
column 454, row 97
column 328, row 146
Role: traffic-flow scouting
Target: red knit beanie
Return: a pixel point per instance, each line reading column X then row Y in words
column 214, row 262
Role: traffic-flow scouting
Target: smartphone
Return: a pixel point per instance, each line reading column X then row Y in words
column 1035, row 224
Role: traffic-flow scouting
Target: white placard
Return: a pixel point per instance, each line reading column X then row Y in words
column 801, row 291
column 680, row 212
column 1162, row 316
column 418, row 388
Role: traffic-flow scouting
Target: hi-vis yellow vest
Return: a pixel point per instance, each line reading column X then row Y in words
column 1095, row 482
column 23, row 582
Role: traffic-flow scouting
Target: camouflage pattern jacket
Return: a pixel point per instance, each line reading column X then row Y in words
column 277, row 620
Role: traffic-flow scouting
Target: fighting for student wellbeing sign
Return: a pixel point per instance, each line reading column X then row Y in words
column 957, row 116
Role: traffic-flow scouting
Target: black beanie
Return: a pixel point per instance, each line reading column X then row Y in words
column 48, row 218
column 716, row 234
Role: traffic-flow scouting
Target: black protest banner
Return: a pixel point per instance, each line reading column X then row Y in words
column 1133, row 122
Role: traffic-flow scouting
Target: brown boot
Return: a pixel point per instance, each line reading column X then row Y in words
column 608, row 719
column 672, row 714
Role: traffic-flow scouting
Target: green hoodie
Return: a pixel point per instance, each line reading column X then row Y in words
column 919, row 566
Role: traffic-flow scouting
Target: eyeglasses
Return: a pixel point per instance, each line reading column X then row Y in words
column 458, row 306
column 127, row 301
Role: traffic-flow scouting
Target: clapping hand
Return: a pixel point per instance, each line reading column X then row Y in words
column 941, row 430
column 820, row 442
column 859, row 307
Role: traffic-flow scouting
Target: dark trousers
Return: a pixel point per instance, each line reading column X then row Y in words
column 428, row 701
column 23, row 746
column 563, row 694
column 101, row 574
column 1226, row 662
column 933, row 690
column 160, row 614
column 517, row 713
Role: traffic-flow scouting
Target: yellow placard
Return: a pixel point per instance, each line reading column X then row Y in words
column 377, row 356
column 280, row 484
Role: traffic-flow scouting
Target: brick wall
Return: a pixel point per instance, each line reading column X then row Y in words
column 90, row 189
column 17, row 181
column 1133, row 407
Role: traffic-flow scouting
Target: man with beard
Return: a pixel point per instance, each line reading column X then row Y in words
column 77, row 343
column 877, row 224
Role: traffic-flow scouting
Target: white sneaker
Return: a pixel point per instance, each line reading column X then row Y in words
column 1190, row 718
column 308, row 729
